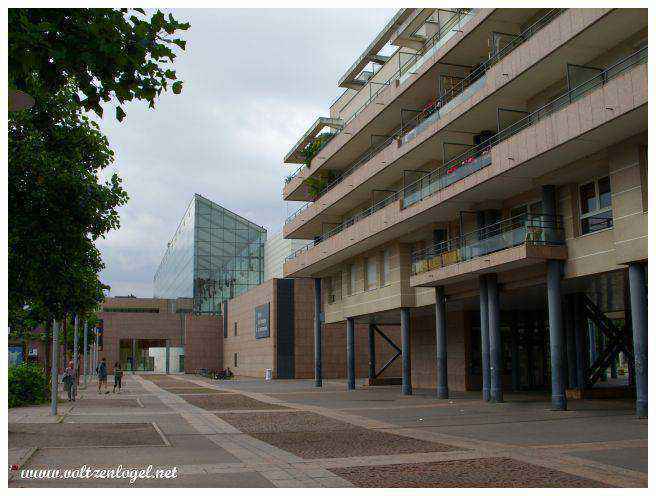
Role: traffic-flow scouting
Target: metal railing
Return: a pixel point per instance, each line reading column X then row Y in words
column 444, row 103
column 289, row 178
column 479, row 156
column 536, row 229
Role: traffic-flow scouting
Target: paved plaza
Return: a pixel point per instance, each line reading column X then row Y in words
column 251, row 433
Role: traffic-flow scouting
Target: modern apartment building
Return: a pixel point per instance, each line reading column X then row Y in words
column 482, row 183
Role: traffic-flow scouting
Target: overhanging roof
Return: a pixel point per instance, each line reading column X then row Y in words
column 294, row 155
column 349, row 80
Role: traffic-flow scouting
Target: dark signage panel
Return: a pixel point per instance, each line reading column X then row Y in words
column 262, row 321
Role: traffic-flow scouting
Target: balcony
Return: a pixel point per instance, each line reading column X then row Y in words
column 401, row 140
column 512, row 243
column 605, row 109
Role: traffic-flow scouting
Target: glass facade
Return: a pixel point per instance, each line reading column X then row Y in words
column 214, row 256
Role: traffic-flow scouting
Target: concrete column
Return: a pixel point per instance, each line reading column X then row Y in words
column 592, row 341
column 317, row 333
column 168, row 356
column 350, row 353
column 54, row 375
column 579, row 334
column 440, row 343
column 75, row 343
column 494, row 323
column 85, row 343
column 485, row 338
column 570, row 330
column 514, row 349
column 638, row 293
column 556, row 336
column 134, row 355
column 372, row 352
column 406, row 387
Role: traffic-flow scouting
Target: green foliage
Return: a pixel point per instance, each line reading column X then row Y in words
column 311, row 150
column 316, row 185
column 28, row 385
column 106, row 53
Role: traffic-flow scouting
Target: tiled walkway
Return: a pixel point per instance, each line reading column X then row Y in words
column 250, row 433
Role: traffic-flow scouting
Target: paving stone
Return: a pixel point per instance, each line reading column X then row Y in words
column 83, row 434
column 217, row 402
column 480, row 472
column 283, row 422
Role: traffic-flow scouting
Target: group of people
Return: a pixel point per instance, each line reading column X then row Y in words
column 70, row 378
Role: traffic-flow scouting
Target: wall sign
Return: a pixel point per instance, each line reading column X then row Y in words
column 262, row 321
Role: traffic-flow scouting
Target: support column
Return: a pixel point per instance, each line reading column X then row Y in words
column 406, row 385
column 613, row 367
column 514, row 349
column 350, row 353
column 85, row 343
column 53, row 369
column 440, row 343
column 570, row 330
column 592, row 341
column 372, row 352
column 638, row 290
column 556, row 337
column 485, row 338
column 168, row 355
column 317, row 333
column 494, row 323
column 579, row 334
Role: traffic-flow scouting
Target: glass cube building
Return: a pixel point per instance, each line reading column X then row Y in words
column 213, row 256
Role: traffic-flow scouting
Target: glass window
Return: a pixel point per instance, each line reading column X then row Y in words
column 371, row 265
column 235, row 328
column 352, row 278
column 387, row 267
column 596, row 210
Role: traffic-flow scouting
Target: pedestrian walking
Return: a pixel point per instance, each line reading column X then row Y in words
column 70, row 381
column 118, row 376
column 101, row 370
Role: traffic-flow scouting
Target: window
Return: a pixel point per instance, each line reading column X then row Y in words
column 519, row 213
column 353, row 278
column 371, row 266
column 595, row 202
column 235, row 328
column 235, row 359
column 386, row 273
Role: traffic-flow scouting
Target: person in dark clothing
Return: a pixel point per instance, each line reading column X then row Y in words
column 118, row 376
column 70, row 381
column 101, row 370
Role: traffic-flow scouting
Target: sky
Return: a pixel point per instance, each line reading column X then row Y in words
column 254, row 81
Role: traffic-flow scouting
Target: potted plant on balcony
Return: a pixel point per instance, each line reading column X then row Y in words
column 316, row 185
column 311, row 150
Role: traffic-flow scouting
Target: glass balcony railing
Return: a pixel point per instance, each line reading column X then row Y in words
column 442, row 105
column 479, row 156
column 522, row 229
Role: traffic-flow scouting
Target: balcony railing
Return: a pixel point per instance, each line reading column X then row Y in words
column 443, row 104
column 479, row 156
column 289, row 178
column 522, row 229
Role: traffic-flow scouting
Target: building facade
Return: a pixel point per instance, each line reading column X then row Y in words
column 276, row 250
column 482, row 183
column 213, row 256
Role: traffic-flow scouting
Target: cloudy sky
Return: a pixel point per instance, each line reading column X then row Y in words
column 254, row 81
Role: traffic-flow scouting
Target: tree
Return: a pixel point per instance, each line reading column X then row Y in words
column 107, row 53
column 72, row 61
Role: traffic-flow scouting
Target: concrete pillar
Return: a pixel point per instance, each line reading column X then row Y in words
column 350, row 353
column 494, row 328
column 54, row 375
column 134, row 355
column 592, row 341
column 638, row 293
column 317, row 333
column 514, row 349
column 85, row 343
column 168, row 356
column 556, row 336
column 485, row 338
column 570, row 330
column 372, row 352
column 440, row 343
column 406, row 385
column 579, row 334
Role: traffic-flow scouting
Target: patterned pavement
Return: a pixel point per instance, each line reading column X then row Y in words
column 249, row 433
